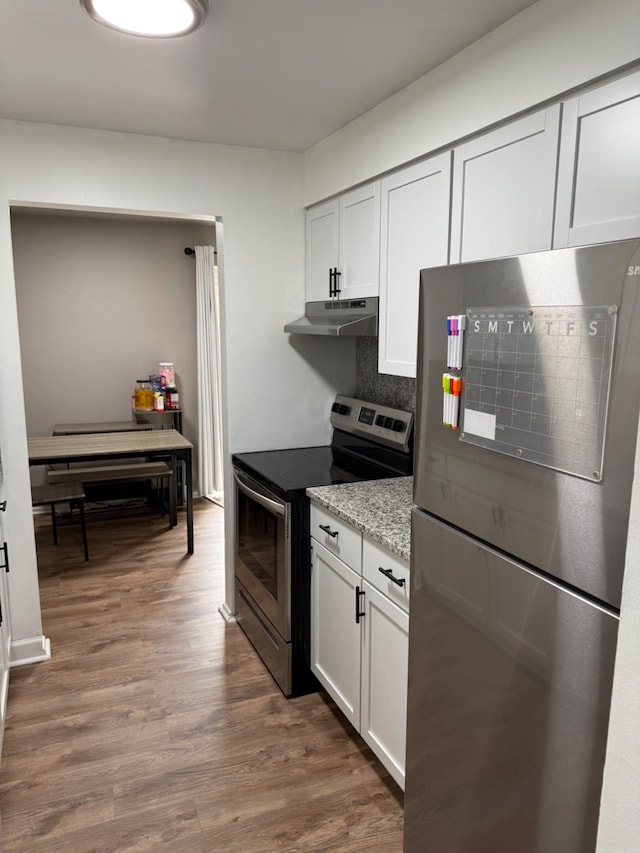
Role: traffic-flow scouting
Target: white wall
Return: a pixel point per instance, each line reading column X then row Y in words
column 258, row 195
column 546, row 50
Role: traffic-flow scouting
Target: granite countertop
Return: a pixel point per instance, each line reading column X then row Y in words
column 379, row 508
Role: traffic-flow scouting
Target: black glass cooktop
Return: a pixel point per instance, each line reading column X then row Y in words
column 290, row 472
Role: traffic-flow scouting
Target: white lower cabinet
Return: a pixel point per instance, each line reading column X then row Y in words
column 335, row 634
column 359, row 637
column 383, row 690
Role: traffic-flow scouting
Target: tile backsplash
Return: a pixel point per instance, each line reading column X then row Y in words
column 396, row 391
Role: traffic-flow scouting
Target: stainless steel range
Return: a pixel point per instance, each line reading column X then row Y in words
column 272, row 570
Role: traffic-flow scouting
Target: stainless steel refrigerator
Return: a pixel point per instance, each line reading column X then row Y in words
column 523, row 479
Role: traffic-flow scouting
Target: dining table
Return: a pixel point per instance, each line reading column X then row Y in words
column 101, row 446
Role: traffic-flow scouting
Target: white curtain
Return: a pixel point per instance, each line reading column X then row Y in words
column 208, row 346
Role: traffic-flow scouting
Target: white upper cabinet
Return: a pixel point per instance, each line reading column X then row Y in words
column 414, row 234
column 343, row 235
column 599, row 172
column 504, row 189
column 322, row 249
column 360, row 242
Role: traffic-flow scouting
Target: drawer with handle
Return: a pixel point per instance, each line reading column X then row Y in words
column 337, row 536
column 386, row 571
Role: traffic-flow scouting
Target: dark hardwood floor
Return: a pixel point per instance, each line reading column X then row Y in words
column 155, row 727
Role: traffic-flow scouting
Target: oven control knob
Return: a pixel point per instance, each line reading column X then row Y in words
column 340, row 409
column 398, row 426
column 389, row 423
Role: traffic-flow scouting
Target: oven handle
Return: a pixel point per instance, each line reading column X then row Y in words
column 267, row 503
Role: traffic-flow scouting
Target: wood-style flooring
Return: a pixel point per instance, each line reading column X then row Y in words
column 155, row 727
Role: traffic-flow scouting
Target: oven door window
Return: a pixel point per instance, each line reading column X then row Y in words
column 258, row 543
column 263, row 553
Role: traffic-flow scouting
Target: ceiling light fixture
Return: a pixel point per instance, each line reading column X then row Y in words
column 150, row 18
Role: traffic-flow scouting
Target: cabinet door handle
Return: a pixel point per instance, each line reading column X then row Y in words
column 359, row 615
column 328, row 530
column 388, row 573
column 334, row 290
column 3, row 506
column 5, row 565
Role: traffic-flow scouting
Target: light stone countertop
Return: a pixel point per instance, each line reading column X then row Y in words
column 379, row 508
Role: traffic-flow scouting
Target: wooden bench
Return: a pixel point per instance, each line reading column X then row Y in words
column 120, row 473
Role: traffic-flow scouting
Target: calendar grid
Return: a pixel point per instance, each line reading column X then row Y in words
column 536, row 383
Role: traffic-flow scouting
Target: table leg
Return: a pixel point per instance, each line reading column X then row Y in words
column 189, row 484
column 173, row 493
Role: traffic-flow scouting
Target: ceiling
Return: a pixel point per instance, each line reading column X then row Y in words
column 278, row 74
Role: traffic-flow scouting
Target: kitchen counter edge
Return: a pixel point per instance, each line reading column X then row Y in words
column 381, row 509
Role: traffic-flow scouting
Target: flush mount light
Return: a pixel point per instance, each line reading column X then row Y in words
column 150, row 18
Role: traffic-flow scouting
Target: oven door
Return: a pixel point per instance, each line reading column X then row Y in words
column 263, row 550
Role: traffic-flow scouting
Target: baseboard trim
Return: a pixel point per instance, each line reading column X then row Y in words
column 31, row 650
column 226, row 614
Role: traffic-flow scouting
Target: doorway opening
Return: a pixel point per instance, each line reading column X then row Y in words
column 103, row 297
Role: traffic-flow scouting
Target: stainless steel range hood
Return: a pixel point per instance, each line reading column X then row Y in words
column 338, row 317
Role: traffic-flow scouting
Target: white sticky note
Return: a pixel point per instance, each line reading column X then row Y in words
column 480, row 423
